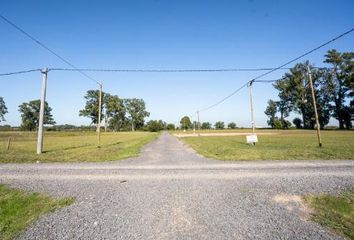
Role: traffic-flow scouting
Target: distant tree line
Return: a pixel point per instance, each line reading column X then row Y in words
column 187, row 124
column 334, row 91
column 118, row 114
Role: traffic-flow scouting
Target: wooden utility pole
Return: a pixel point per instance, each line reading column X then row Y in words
column 198, row 120
column 314, row 107
column 99, row 116
column 252, row 113
column 8, row 143
column 41, row 111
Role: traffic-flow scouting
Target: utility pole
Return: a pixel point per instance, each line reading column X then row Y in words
column 99, row 116
column 44, row 71
column 314, row 106
column 198, row 120
column 252, row 113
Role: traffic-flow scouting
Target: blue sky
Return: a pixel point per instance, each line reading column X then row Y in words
column 164, row 35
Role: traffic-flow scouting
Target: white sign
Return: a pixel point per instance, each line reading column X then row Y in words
column 252, row 138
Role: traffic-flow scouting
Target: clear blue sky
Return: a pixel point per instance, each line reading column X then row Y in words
column 166, row 35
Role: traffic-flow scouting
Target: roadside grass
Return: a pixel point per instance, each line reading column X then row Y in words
column 19, row 209
column 334, row 212
column 282, row 145
column 72, row 146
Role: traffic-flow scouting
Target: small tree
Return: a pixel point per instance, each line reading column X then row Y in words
column 186, row 123
column 219, row 125
column 3, row 109
column 206, row 125
column 155, row 125
column 30, row 115
column 232, row 125
column 170, row 127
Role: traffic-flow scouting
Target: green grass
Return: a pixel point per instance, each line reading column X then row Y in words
column 72, row 146
column 334, row 212
column 284, row 145
column 19, row 209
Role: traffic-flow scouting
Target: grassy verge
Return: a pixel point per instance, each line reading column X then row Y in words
column 283, row 145
column 334, row 212
column 18, row 209
column 72, row 146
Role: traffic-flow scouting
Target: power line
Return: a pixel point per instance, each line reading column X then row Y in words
column 166, row 70
column 46, row 48
column 278, row 68
column 224, row 99
column 305, row 54
column 19, row 72
column 266, row 81
column 155, row 70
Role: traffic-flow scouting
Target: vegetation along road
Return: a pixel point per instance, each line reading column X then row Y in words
column 169, row 192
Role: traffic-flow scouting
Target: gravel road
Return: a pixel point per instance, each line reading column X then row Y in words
column 169, row 192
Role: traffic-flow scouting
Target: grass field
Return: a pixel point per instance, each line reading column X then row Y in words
column 335, row 212
column 19, row 209
column 72, row 146
column 281, row 145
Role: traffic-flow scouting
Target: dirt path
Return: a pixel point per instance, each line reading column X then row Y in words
column 169, row 192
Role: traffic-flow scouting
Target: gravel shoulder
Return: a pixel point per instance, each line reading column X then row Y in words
column 169, row 192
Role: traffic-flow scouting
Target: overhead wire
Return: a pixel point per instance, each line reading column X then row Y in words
column 167, row 70
column 46, row 48
column 248, row 83
column 19, row 72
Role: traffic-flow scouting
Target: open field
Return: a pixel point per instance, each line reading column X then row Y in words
column 335, row 212
column 275, row 145
column 72, row 146
column 19, row 209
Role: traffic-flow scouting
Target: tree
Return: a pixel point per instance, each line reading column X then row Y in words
column 271, row 111
column 219, row 125
column 340, row 84
column 91, row 107
column 155, row 125
column 137, row 112
column 295, row 94
column 186, row 123
column 298, row 123
column 231, row 125
column 3, row 109
column 206, row 125
column 30, row 115
column 115, row 112
column 171, row 126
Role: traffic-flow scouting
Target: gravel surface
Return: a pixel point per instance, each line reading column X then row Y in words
column 169, row 192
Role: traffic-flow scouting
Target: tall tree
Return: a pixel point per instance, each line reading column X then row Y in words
column 271, row 111
column 30, row 115
column 91, row 106
column 186, row 123
column 295, row 93
column 340, row 83
column 137, row 112
column 3, row 109
column 115, row 111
